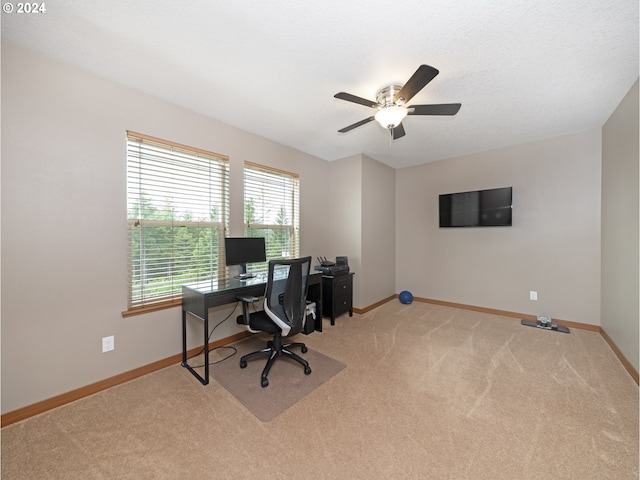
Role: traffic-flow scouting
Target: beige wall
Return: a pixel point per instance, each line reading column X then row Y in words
column 620, row 227
column 64, row 223
column 553, row 246
column 378, row 232
column 362, row 204
column 344, row 202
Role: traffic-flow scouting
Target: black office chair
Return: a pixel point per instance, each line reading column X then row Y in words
column 284, row 314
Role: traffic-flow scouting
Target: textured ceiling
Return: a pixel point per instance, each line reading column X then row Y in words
column 523, row 70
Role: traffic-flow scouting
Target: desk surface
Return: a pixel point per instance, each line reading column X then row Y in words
column 216, row 286
column 198, row 298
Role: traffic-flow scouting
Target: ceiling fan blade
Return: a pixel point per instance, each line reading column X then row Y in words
column 359, row 100
column 355, row 125
column 423, row 75
column 398, row 132
column 438, row 109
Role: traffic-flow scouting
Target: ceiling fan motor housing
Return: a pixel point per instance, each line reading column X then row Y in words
column 385, row 95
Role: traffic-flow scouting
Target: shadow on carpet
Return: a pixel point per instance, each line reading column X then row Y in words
column 287, row 382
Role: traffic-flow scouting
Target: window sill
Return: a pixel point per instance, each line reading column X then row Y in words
column 155, row 307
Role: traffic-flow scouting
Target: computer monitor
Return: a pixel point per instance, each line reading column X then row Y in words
column 244, row 250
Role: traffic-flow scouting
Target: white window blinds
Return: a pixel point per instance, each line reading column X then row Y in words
column 272, row 209
column 177, row 214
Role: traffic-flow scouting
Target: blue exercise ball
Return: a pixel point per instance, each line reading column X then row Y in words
column 406, row 297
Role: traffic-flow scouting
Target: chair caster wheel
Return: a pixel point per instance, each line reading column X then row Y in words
column 307, row 370
column 243, row 364
column 304, row 349
column 264, row 383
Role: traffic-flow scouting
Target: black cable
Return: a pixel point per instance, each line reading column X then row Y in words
column 235, row 350
column 216, row 348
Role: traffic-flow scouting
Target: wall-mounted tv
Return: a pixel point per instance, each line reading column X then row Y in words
column 480, row 208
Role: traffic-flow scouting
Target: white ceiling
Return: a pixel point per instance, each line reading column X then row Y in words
column 523, row 70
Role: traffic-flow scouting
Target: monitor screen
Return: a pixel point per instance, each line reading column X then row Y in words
column 244, row 250
column 481, row 208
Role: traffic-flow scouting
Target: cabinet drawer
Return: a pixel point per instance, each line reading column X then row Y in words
column 343, row 304
column 342, row 285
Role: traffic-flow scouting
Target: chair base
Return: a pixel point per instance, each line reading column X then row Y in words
column 274, row 350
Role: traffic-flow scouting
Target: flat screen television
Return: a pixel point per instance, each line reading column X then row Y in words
column 244, row 250
column 480, row 208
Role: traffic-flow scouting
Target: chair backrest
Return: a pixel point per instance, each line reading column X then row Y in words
column 285, row 299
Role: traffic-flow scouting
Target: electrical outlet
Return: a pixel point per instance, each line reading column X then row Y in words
column 533, row 295
column 108, row 344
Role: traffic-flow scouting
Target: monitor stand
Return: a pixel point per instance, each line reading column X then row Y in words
column 243, row 273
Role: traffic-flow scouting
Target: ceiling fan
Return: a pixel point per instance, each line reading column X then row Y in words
column 391, row 103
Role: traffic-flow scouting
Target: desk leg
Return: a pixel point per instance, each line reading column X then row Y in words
column 185, row 364
column 206, row 349
column 184, row 338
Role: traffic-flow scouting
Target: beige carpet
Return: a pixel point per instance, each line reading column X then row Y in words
column 429, row 392
column 287, row 381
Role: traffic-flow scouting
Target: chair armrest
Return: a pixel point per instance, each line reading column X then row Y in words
column 246, row 300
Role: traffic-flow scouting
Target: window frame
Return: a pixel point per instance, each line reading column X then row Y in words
column 191, row 161
column 289, row 202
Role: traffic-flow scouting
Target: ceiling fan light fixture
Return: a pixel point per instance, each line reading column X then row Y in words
column 391, row 116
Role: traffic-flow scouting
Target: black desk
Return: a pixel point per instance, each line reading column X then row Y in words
column 198, row 298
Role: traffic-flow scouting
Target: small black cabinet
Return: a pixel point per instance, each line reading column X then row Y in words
column 337, row 295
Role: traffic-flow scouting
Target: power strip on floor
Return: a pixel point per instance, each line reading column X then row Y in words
column 545, row 325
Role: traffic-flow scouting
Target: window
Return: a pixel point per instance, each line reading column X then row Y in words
column 272, row 209
column 177, row 214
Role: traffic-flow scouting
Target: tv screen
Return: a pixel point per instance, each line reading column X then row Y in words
column 480, row 208
column 244, row 250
